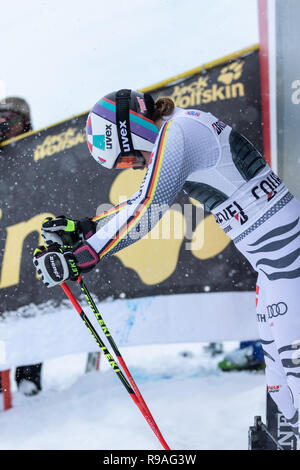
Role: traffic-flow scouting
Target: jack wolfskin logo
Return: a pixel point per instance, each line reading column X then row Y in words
column 231, row 72
column 108, row 134
column 206, row 89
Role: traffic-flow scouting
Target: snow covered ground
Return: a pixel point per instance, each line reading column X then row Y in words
column 195, row 405
column 33, row 333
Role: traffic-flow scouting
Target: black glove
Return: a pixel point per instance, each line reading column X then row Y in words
column 58, row 263
column 67, row 231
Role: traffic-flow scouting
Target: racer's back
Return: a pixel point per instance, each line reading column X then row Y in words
column 228, row 175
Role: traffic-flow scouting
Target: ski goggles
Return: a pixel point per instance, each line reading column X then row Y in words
column 135, row 161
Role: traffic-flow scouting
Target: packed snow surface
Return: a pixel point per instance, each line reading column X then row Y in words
column 195, row 405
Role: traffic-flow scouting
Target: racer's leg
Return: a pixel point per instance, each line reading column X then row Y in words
column 277, row 380
column 283, row 311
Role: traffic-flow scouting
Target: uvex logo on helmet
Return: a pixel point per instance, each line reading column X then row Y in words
column 108, row 134
column 124, row 136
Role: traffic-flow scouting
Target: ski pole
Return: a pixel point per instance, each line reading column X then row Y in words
column 116, row 351
column 114, row 365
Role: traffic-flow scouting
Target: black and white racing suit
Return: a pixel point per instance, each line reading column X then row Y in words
column 196, row 152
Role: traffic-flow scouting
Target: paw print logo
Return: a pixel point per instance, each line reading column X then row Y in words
column 231, row 72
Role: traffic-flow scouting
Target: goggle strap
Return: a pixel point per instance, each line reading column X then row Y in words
column 123, row 121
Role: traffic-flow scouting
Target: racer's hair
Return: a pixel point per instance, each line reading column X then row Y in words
column 164, row 106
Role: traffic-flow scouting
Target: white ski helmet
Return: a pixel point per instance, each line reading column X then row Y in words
column 119, row 127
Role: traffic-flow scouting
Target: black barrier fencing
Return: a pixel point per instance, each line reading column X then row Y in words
column 50, row 172
column 276, row 434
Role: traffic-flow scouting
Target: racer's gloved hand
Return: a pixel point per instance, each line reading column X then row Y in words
column 66, row 231
column 57, row 263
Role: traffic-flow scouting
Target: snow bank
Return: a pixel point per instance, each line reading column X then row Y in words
column 50, row 331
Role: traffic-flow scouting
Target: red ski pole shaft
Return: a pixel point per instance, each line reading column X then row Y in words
column 133, row 394
column 120, row 359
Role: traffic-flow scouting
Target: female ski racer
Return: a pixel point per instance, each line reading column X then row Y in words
column 194, row 151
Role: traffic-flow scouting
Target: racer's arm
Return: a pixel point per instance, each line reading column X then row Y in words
column 166, row 174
